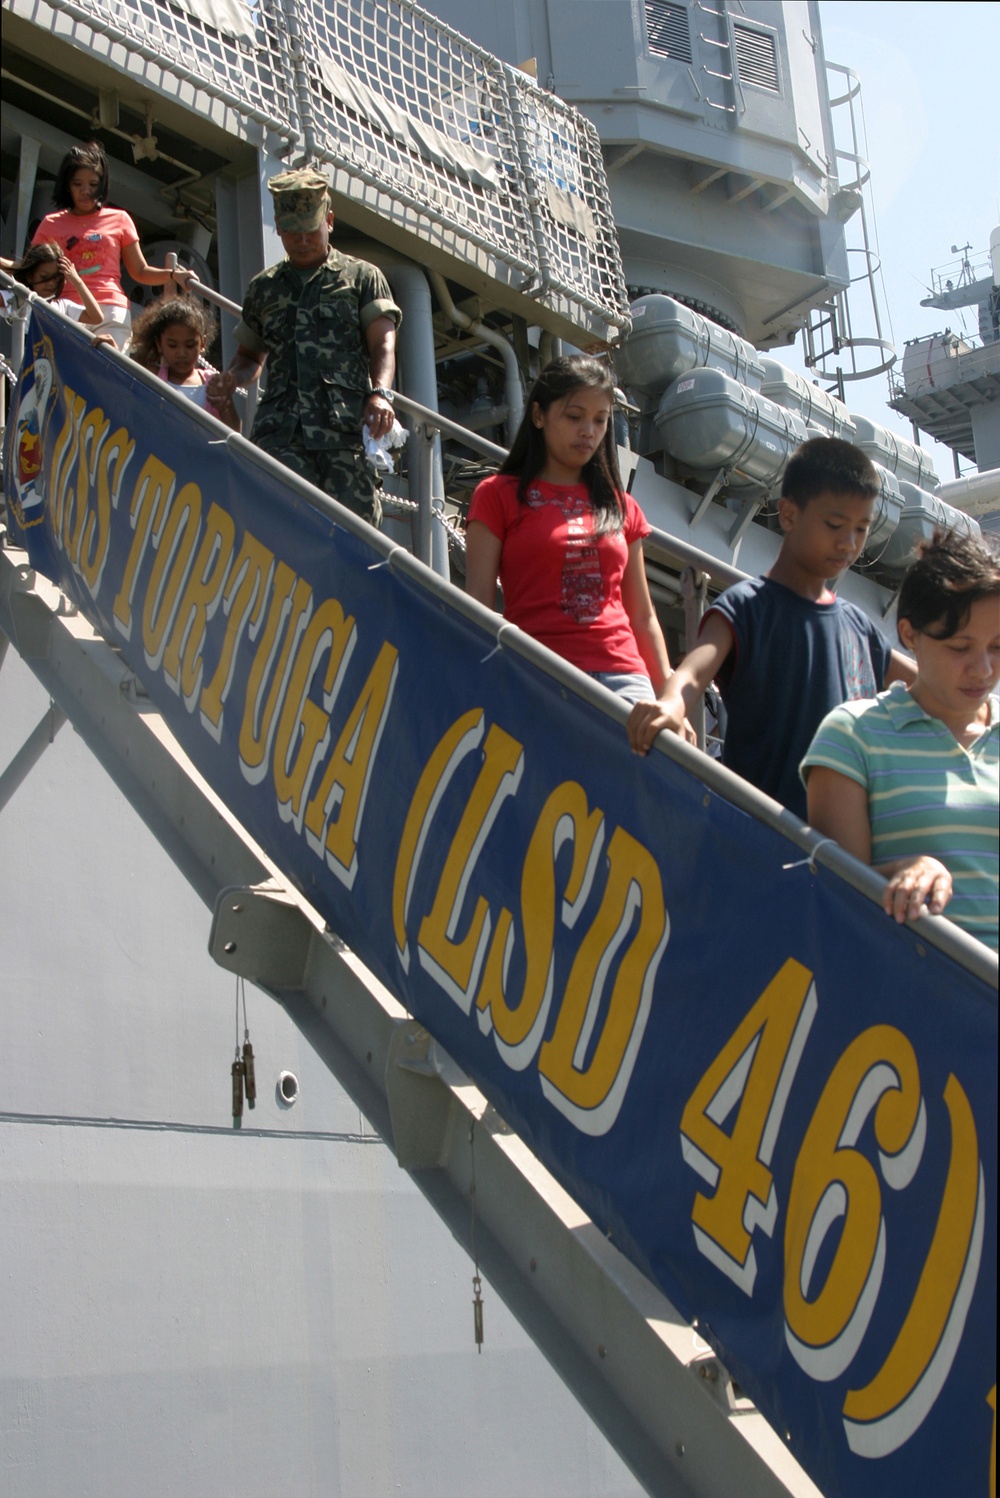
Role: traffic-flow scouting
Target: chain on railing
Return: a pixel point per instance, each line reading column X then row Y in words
column 454, row 531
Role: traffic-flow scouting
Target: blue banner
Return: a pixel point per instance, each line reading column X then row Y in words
column 779, row 1104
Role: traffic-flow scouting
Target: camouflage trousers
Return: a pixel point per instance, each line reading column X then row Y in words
column 344, row 473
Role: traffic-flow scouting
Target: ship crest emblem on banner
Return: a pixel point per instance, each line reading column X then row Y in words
column 28, row 486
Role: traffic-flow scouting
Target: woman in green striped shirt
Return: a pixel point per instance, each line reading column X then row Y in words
column 909, row 782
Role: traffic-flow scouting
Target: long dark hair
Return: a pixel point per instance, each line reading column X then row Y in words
column 527, row 455
column 48, row 253
column 91, row 155
column 950, row 574
column 160, row 315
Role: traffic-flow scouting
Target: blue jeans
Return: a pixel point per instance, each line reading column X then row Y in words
column 631, row 685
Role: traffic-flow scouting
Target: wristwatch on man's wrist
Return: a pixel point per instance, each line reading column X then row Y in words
column 387, row 395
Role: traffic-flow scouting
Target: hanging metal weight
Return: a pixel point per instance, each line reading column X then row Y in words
column 249, row 1076
column 477, row 1310
column 237, row 1092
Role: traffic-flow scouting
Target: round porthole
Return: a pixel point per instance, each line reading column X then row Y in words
column 287, row 1090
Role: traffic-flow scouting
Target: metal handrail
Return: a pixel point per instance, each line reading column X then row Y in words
column 937, row 930
column 207, row 293
column 433, row 422
column 659, row 544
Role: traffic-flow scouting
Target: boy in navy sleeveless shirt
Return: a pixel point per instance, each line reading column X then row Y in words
column 783, row 649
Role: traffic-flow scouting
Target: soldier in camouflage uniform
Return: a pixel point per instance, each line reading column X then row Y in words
column 326, row 326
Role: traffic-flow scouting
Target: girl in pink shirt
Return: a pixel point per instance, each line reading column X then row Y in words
column 99, row 240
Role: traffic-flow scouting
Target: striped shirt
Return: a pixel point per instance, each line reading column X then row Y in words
column 926, row 793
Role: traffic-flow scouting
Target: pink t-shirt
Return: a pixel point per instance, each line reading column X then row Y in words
column 561, row 583
column 93, row 242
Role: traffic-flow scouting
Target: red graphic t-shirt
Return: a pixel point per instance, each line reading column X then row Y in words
column 561, row 583
column 93, row 242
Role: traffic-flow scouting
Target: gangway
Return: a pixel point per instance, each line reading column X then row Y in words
column 390, row 1006
column 663, row 1399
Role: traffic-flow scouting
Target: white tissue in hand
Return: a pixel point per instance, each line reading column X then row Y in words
column 378, row 449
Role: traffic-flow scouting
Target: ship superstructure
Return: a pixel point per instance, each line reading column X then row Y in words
column 949, row 383
column 293, row 1311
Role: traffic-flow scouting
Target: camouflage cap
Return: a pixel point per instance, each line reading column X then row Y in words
column 301, row 200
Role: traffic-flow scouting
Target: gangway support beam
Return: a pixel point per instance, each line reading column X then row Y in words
column 91, row 684
column 30, row 752
column 635, row 1365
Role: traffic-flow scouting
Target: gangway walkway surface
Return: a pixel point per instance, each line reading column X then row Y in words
column 778, row 1107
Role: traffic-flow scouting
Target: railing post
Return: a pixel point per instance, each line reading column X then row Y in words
column 17, row 331
column 30, row 752
column 694, row 587
column 430, row 541
column 421, row 475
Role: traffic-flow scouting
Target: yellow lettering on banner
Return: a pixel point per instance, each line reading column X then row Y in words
column 590, row 1093
column 344, row 787
column 287, row 616
column 175, row 543
column 153, row 492
column 304, row 728
column 93, row 430
column 244, row 600
column 752, row 1074
column 834, row 1182
column 95, row 543
column 64, row 458
column 455, row 964
column 518, row 1028
column 883, row 1415
column 183, row 666
column 464, row 735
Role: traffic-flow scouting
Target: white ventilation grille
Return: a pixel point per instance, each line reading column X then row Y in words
column 667, row 30
column 756, row 58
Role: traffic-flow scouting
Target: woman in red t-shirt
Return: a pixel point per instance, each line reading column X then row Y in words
column 99, row 240
column 565, row 539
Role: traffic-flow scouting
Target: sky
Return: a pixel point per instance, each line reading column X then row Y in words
column 930, row 92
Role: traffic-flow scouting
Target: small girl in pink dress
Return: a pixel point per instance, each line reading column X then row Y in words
column 170, row 337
